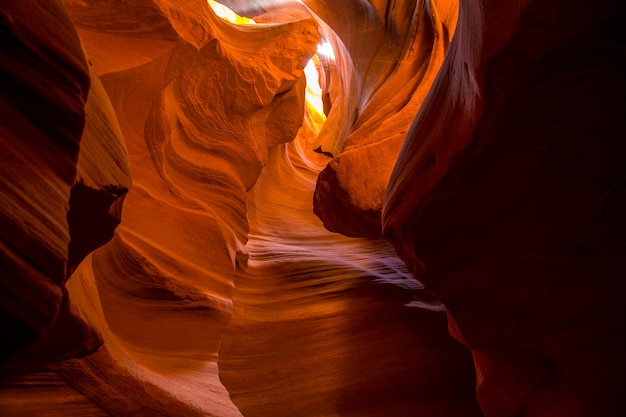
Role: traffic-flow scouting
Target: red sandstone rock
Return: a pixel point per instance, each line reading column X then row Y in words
column 508, row 211
column 332, row 325
column 405, row 57
column 45, row 83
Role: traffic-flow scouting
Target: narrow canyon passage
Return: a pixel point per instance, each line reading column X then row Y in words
column 327, row 325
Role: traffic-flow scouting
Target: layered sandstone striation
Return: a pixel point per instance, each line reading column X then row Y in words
column 332, row 325
column 190, row 110
column 393, row 72
column 506, row 202
column 64, row 174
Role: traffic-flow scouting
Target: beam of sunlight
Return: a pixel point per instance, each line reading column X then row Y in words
column 229, row 15
column 313, row 94
column 326, row 49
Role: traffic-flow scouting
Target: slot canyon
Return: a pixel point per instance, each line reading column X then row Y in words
column 315, row 208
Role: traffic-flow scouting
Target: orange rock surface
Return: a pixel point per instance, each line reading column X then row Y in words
column 508, row 204
column 186, row 231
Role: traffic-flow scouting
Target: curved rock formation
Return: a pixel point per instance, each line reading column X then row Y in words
column 59, row 176
column 333, row 326
column 506, row 205
column 404, row 56
column 198, row 110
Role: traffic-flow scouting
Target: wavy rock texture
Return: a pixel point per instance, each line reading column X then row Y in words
column 43, row 94
column 409, row 45
column 199, row 116
column 333, row 326
column 506, row 204
column 64, row 175
column 198, row 109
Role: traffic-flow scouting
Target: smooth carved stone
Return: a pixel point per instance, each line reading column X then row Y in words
column 103, row 178
column 45, row 83
column 198, row 111
column 198, row 115
column 351, row 188
column 62, row 184
column 516, row 226
column 332, row 325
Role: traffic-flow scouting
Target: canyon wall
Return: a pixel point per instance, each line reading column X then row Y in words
column 508, row 204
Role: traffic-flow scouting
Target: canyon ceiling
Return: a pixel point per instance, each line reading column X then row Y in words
column 313, row 208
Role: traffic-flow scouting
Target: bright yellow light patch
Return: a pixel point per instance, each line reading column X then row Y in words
column 227, row 14
column 314, row 85
column 314, row 103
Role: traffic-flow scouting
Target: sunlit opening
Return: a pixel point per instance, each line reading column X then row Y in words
column 229, row 15
column 326, row 49
column 313, row 96
column 314, row 83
